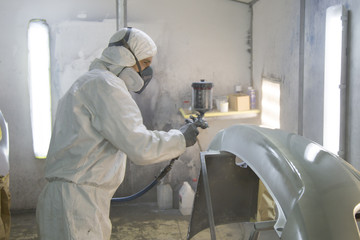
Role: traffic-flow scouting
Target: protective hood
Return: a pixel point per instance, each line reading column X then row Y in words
column 118, row 59
column 140, row 43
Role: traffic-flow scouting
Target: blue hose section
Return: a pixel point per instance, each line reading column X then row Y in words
column 136, row 195
column 148, row 187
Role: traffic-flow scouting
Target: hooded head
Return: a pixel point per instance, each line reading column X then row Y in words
column 120, row 60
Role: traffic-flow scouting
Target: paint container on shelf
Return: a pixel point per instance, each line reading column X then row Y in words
column 252, row 94
column 238, row 88
column 222, row 103
column 224, row 106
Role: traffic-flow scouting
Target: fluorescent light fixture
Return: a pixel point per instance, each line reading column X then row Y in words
column 334, row 78
column 39, row 85
column 270, row 103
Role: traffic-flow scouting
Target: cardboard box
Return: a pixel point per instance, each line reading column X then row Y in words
column 239, row 102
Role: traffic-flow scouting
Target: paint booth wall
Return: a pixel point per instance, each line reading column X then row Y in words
column 26, row 172
column 196, row 40
column 193, row 44
column 314, row 74
column 276, row 52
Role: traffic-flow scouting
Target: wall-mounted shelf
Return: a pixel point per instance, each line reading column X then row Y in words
column 216, row 114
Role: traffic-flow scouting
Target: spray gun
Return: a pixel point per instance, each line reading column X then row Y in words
column 201, row 102
column 198, row 120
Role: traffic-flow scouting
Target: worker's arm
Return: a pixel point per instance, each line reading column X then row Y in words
column 117, row 117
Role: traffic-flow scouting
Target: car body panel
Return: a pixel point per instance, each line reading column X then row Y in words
column 316, row 193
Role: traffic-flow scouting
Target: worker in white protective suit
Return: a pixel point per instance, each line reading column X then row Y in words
column 98, row 125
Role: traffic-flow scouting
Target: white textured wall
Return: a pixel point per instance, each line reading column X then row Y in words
column 276, row 52
column 74, row 48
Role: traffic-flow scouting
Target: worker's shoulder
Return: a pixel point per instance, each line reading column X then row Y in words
column 88, row 80
column 97, row 77
column 99, row 74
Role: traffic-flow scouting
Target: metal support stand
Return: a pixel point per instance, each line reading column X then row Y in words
column 226, row 193
column 208, row 198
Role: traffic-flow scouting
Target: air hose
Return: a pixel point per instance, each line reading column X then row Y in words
column 199, row 122
column 148, row 187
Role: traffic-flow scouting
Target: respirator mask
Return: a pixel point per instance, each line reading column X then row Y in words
column 134, row 81
column 146, row 76
column 128, row 74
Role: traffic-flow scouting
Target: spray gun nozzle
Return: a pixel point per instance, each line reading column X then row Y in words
column 200, row 122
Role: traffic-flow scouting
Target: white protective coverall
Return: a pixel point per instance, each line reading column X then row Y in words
column 98, row 125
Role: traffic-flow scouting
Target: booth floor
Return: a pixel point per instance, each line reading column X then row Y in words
column 142, row 221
